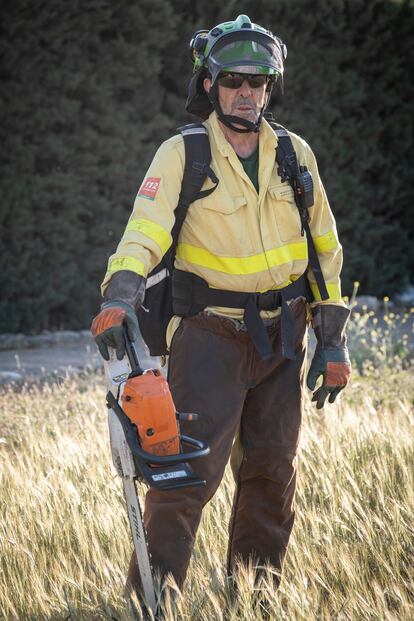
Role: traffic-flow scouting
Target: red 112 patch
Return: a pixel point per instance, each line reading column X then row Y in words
column 150, row 187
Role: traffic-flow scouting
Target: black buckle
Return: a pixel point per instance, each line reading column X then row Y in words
column 269, row 300
column 199, row 167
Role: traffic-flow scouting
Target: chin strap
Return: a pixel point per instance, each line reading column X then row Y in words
column 229, row 120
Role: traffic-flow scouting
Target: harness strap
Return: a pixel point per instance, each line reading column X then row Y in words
column 196, row 169
column 191, row 295
column 156, row 312
column 288, row 171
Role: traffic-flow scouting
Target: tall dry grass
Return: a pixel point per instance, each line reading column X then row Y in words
column 65, row 543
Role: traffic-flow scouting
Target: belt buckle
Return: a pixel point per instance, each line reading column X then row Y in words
column 267, row 301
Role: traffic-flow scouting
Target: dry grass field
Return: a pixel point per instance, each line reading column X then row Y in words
column 65, row 543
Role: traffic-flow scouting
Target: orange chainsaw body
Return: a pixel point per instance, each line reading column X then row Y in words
column 148, row 403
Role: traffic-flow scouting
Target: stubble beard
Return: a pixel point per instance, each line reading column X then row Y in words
column 251, row 114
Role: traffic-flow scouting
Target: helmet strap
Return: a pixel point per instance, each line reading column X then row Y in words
column 229, row 121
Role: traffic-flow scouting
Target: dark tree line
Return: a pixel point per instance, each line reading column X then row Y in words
column 89, row 90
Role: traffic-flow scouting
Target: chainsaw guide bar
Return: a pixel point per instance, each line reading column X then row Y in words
column 146, row 446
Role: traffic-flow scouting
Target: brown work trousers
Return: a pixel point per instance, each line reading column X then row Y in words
column 215, row 371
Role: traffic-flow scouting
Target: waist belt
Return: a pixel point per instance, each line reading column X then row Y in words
column 191, row 294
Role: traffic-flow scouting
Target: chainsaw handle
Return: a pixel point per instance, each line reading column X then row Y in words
column 132, row 355
column 202, row 449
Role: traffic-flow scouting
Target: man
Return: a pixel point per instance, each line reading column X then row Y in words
column 243, row 374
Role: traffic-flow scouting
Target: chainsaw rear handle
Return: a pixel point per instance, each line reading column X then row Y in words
column 132, row 355
column 202, row 449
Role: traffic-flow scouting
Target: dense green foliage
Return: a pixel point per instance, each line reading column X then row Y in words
column 90, row 89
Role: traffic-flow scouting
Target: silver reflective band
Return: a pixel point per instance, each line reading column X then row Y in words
column 281, row 132
column 194, row 130
column 153, row 280
column 169, row 475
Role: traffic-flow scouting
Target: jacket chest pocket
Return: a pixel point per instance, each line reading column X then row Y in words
column 223, row 218
column 285, row 212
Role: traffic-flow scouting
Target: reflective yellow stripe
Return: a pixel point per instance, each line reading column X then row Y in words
column 243, row 265
column 287, row 253
column 152, row 230
column 326, row 242
column 127, row 263
column 334, row 292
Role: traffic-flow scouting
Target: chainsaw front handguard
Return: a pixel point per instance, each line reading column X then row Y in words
column 163, row 472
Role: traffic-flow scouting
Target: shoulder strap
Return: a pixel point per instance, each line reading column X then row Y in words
column 196, row 170
column 289, row 170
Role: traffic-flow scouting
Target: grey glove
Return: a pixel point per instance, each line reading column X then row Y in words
column 331, row 358
column 127, row 286
column 124, row 295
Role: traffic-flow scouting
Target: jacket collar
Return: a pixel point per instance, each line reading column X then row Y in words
column 267, row 137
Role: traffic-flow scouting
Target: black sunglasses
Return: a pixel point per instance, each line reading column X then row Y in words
column 235, row 80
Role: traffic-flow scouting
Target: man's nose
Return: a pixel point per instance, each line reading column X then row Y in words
column 245, row 89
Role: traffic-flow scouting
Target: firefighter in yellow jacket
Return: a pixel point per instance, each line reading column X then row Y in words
column 246, row 237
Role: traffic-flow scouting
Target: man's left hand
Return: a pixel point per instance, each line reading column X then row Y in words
column 331, row 358
column 334, row 365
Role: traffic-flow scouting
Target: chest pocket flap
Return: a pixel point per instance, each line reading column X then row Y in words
column 282, row 192
column 223, row 202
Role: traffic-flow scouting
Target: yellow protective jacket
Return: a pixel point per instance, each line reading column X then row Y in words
column 235, row 238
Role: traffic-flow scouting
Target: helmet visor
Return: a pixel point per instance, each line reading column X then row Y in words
column 256, row 52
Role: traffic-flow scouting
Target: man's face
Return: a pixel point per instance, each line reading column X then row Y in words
column 245, row 101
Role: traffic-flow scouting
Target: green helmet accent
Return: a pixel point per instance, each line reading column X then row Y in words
column 238, row 44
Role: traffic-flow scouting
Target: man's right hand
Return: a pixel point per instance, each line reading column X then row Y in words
column 124, row 294
column 108, row 327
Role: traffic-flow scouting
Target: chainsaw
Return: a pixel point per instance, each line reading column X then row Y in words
column 146, row 445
